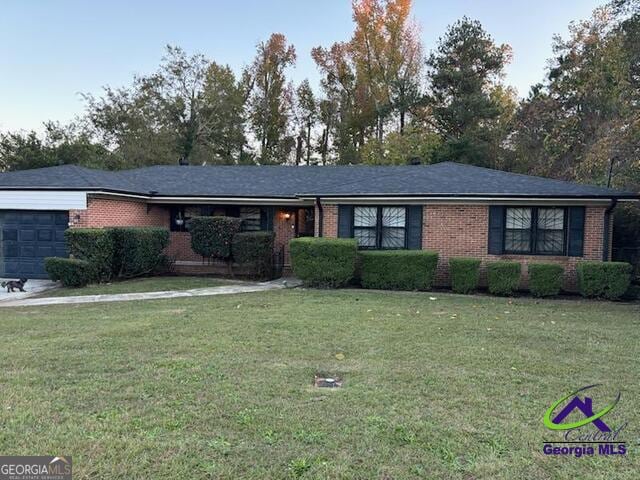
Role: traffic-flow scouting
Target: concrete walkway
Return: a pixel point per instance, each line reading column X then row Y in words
column 32, row 287
column 126, row 297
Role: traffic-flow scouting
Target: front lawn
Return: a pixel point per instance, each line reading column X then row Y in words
column 136, row 285
column 221, row 387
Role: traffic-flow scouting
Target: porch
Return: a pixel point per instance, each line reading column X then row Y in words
column 286, row 221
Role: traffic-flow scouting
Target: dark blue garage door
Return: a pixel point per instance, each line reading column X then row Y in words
column 26, row 238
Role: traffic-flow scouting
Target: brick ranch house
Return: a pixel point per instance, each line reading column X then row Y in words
column 454, row 209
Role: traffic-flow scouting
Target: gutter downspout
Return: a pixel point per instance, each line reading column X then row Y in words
column 606, row 230
column 320, row 216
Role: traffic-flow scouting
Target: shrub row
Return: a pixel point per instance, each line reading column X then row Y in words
column 398, row 269
column 324, row 262
column 609, row 280
column 220, row 238
column 101, row 254
column 329, row 262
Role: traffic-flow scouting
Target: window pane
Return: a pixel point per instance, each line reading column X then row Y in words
column 250, row 218
column 551, row 218
column 366, row 236
column 393, row 238
column 550, row 241
column 393, row 217
column 519, row 218
column 365, row 216
column 517, row 240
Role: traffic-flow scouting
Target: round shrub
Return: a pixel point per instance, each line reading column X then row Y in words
column 503, row 277
column 211, row 237
column 398, row 269
column 324, row 262
column 465, row 274
column 545, row 279
column 70, row 272
column 608, row 280
column 254, row 249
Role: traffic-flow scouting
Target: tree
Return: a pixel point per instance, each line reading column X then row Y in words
column 416, row 142
column 463, row 71
column 388, row 53
column 373, row 80
column 62, row 144
column 307, row 110
column 583, row 123
column 271, row 99
column 190, row 108
column 223, row 99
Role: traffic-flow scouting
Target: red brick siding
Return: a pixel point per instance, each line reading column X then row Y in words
column 462, row 231
column 284, row 230
column 330, row 221
column 106, row 212
column 180, row 247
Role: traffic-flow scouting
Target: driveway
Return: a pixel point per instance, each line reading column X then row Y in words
column 32, row 287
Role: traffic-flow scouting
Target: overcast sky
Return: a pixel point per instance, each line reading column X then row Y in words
column 50, row 51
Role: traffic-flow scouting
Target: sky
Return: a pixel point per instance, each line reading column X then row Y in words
column 53, row 51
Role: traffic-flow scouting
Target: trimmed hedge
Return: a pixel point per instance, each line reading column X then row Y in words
column 324, row 262
column 70, row 272
column 503, row 277
column 115, row 252
column 255, row 249
column 545, row 279
column 465, row 274
column 138, row 250
column 398, row 269
column 212, row 237
column 96, row 246
column 604, row 279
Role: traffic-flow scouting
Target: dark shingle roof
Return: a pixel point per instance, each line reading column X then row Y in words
column 442, row 179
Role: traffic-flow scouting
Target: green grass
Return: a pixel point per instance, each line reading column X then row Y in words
column 136, row 285
column 221, row 387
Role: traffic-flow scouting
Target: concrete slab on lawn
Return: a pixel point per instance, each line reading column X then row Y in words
column 32, row 287
column 125, row 297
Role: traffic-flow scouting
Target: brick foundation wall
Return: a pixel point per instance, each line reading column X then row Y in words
column 462, row 231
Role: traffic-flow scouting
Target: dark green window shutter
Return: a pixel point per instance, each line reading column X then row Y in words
column 576, row 232
column 414, row 227
column 345, row 221
column 266, row 218
column 496, row 229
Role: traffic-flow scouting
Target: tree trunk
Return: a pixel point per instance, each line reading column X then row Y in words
column 324, row 146
column 402, row 114
column 308, row 143
column 299, row 149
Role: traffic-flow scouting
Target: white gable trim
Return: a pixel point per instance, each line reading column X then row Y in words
column 42, row 200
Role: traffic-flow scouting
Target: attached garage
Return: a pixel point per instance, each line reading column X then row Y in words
column 27, row 237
